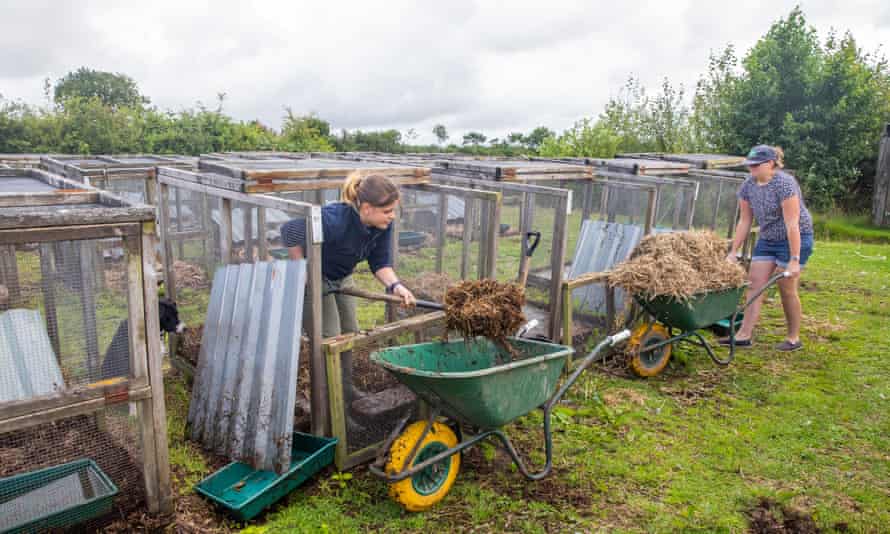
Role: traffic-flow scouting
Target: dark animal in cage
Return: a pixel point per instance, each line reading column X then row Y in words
column 117, row 356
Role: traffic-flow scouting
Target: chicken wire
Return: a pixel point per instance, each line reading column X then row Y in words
column 109, row 437
column 132, row 187
column 63, row 311
column 717, row 205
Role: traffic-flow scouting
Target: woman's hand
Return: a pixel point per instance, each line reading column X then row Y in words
column 732, row 258
column 793, row 268
column 408, row 299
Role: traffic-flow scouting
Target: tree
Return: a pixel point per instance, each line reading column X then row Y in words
column 441, row 133
column 305, row 133
column 114, row 90
column 585, row 139
column 825, row 104
column 534, row 139
column 474, row 138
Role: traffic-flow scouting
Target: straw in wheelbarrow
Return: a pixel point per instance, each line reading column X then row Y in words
column 485, row 308
column 679, row 265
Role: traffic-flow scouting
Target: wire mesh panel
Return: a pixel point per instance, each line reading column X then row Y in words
column 109, row 438
column 131, row 187
column 717, row 206
column 63, row 314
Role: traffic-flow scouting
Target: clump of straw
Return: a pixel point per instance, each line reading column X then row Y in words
column 679, row 265
column 485, row 308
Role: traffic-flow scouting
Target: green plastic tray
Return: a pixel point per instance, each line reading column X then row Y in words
column 468, row 382
column 55, row 497
column 244, row 492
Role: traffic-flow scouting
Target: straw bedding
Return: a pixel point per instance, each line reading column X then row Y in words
column 679, row 265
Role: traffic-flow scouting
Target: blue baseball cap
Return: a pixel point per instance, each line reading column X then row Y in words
column 761, row 154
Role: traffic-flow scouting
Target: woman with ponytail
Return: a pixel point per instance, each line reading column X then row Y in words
column 772, row 197
column 357, row 229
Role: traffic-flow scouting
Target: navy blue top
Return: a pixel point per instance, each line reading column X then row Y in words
column 347, row 242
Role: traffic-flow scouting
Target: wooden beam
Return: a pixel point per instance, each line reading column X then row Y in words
column 557, row 262
column 358, row 341
column 166, row 241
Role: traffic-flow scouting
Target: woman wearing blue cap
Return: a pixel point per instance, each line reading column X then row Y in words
column 772, row 197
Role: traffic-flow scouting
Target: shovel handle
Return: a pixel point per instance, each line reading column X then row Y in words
column 530, row 241
column 353, row 292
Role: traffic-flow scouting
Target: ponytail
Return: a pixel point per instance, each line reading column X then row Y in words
column 780, row 157
column 374, row 189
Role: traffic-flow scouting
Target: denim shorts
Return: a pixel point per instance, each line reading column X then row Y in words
column 779, row 252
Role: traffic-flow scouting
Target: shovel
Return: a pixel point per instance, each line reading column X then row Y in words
column 530, row 242
column 351, row 291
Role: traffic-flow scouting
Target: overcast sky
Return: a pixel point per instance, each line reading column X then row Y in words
column 489, row 66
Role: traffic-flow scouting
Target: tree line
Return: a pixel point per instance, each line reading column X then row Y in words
column 823, row 100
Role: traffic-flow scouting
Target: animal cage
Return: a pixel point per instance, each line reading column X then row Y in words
column 80, row 348
column 130, row 177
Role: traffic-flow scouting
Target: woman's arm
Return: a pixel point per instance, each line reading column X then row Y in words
column 746, row 217
column 791, row 214
column 387, row 277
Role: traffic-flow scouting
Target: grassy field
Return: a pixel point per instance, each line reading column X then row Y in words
column 693, row 450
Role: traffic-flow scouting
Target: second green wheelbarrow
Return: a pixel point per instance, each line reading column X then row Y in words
column 469, row 384
column 667, row 321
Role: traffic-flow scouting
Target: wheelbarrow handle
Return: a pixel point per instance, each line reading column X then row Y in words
column 585, row 363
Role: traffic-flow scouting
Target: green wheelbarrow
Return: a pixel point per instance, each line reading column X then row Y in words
column 471, row 393
column 665, row 321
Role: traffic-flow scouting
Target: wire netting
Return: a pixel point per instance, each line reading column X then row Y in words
column 717, row 203
column 64, row 449
column 130, row 187
column 63, row 311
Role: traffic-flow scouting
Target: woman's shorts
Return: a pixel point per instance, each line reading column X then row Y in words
column 779, row 252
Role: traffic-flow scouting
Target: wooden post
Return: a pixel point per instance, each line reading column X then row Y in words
column 649, row 225
column 525, row 225
column 178, row 197
column 714, row 218
column 47, row 282
column 320, row 414
column 166, row 244
column 489, row 246
column 336, row 405
column 247, row 211
column 469, row 217
column 391, row 309
column 207, row 226
column 587, row 201
column 604, row 202
column 9, row 273
column 881, row 203
column 557, row 263
column 442, row 237
column 261, row 234
column 152, row 355
column 225, row 231
column 88, row 307
column 566, row 315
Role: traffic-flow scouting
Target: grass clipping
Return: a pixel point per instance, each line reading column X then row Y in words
column 485, row 308
column 678, row 265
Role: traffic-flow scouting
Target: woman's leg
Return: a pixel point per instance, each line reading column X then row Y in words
column 791, row 305
column 346, row 317
column 758, row 276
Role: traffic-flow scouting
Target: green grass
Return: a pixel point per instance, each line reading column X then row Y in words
column 692, row 449
column 850, row 228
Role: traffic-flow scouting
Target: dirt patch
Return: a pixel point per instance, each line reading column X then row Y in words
column 769, row 517
column 485, row 308
column 823, row 329
column 695, row 388
column 189, row 275
column 76, row 438
column 679, row 265
column 189, row 345
column 617, row 396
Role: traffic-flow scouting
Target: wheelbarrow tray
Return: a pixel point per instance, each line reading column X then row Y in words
column 700, row 311
column 55, row 497
column 475, row 381
column 244, row 492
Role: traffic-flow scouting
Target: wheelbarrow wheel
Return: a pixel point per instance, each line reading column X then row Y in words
column 648, row 362
column 429, row 486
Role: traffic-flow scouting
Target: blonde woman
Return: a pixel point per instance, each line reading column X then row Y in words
column 355, row 230
column 772, row 197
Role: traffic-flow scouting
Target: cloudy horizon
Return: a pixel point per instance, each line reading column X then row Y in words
column 467, row 65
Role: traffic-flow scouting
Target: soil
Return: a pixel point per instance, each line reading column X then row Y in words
column 189, row 346
column 769, row 517
column 189, row 275
column 485, row 308
column 73, row 439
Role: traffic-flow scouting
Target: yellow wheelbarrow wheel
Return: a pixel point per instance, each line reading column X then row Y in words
column 426, row 488
column 651, row 362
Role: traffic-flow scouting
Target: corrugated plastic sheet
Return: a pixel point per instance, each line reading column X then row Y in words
column 28, row 365
column 246, row 383
column 600, row 246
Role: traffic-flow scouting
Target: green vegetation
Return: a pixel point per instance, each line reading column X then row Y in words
column 850, row 228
